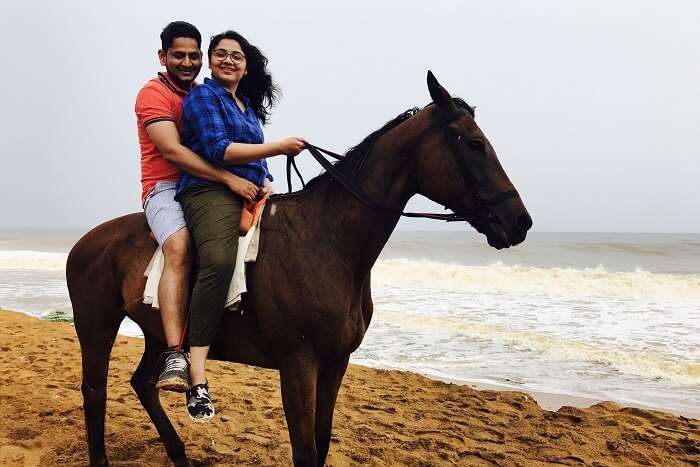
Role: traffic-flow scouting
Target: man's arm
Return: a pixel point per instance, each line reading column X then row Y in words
column 165, row 136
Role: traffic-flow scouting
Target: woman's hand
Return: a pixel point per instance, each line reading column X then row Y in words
column 267, row 189
column 242, row 187
column 291, row 146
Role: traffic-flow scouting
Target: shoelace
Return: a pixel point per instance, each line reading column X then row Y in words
column 175, row 363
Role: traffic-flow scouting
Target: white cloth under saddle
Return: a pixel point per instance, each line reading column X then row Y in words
column 247, row 253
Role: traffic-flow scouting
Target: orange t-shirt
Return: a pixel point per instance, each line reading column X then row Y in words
column 159, row 100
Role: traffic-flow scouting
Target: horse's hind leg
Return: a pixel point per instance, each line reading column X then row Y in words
column 143, row 384
column 327, row 389
column 96, row 329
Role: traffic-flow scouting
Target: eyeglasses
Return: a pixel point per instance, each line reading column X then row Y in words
column 221, row 54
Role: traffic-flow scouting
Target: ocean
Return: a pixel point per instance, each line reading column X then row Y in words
column 612, row 316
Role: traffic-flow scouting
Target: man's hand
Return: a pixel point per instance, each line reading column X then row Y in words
column 242, row 187
column 267, row 189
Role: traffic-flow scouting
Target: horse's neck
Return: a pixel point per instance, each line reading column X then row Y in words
column 354, row 231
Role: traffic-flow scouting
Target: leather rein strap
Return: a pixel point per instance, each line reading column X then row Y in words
column 316, row 152
column 340, row 178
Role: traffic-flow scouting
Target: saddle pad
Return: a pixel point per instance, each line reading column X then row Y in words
column 247, row 253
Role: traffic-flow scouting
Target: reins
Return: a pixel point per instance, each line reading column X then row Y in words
column 340, row 178
column 317, row 152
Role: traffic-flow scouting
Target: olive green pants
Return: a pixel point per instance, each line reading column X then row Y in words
column 213, row 215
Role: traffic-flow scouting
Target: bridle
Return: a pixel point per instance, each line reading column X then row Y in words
column 482, row 203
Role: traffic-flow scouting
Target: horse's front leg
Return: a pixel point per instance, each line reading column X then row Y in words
column 329, row 382
column 298, row 376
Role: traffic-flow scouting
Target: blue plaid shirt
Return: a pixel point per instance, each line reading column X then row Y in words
column 212, row 121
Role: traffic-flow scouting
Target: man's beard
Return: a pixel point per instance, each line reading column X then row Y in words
column 183, row 84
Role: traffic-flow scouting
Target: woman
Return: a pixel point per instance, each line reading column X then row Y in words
column 222, row 124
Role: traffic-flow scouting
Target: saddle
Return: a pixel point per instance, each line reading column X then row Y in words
column 248, row 240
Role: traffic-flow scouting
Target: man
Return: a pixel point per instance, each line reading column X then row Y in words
column 159, row 118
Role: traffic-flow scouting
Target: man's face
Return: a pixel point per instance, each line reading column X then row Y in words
column 182, row 61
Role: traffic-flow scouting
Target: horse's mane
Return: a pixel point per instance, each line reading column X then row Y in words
column 356, row 156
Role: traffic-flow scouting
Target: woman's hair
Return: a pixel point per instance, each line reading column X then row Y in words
column 257, row 84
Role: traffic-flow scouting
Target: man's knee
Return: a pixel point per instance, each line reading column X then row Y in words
column 178, row 248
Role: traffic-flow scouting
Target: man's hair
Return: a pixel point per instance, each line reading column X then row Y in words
column 179, row 29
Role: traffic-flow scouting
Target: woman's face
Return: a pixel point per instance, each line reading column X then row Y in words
column 228, row 62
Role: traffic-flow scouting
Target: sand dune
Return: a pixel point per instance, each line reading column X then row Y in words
column 382, row 417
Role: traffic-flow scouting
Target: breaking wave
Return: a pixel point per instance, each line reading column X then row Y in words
column 499, row 277
column 24, row 260
column 492, row 278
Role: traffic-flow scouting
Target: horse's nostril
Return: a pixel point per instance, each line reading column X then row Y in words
column 525, row 221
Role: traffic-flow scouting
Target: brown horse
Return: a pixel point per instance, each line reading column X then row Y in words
column 309, row 301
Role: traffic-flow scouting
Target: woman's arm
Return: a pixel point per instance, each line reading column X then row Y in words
column 240, row 153
column 201, row 108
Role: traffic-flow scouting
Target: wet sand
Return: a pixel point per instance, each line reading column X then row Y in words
column 382, row 417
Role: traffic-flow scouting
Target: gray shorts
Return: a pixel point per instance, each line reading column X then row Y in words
column 163, row 213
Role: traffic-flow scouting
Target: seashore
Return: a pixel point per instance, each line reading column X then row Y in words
column 383, row 417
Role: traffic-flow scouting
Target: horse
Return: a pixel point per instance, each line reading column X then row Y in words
column 309, row 302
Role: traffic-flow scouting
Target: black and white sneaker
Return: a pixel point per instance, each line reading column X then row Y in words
column 175, row 374
column 199, row 404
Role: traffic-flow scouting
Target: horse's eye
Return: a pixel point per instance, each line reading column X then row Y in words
column 476, row 145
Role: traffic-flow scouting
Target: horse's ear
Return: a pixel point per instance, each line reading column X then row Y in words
column 440, row 96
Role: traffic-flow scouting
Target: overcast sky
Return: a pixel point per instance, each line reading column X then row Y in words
column 592, row 106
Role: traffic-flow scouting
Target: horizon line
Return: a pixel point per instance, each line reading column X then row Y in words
column 469, row 230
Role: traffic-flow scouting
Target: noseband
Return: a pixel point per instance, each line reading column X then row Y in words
column 469, row 178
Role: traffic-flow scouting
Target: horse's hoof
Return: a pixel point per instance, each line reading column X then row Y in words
column 100, row 463
column 182, row 461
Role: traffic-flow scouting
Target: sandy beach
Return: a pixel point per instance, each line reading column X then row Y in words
column 382, row 417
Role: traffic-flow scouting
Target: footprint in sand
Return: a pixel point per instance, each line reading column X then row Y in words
column 261, row 440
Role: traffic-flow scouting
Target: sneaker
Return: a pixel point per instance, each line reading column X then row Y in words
column 175, row 374
column 199, row 405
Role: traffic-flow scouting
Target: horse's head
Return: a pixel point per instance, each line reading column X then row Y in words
column 458, row 168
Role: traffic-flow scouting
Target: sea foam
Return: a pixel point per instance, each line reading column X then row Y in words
column 499, row 277
column 29, row 260
column 491, row 278
column 615, row 355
